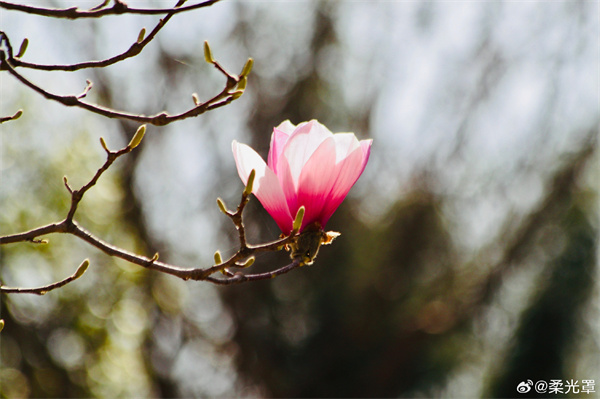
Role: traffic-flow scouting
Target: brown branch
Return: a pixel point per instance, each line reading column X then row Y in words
column 241, row 259
column 239, row 277
column 135, row 49
column 42, row 290
column 223, row 98
column 118, row 8
column 16, row 115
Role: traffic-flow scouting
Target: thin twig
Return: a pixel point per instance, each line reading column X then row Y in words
column 239, row 259
column 239, row 277
column 135, row 49
column 118, row 8
column 16, row 115
column 43, row 290
column 161, row 119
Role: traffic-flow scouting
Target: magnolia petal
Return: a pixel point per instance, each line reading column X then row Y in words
column 266, row 186
column 316, row 182
column 366, row 147
column 300, row 146
column 278, row 140
column 345, row 144
column 347, row 171
column 287, row 127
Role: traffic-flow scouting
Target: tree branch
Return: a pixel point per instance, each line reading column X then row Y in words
column 134, row 50
column 118, row 8
column 243, row 258
column 225, row 97
column 42, row 290
column 238, row 277
column 16, row 115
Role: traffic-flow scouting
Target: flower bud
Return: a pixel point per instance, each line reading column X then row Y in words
column 222, row 206
column 247, row 67
column 17, row 115
column 248, row 189
column 82, row 268
column 137, row 137
column 23, row 48
column 207, row 53
column 196, row 99
column 141, row 35
column 103, row 144
column 249, row 262
column 218, row 259
column 298, row 220
column 237, row 94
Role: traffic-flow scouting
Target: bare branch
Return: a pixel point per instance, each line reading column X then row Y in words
column 118, row 8
column 243, row 258
column 16, row 115
column 42, row 290
column 239, row 277
column 135, row 49
column 223, row 98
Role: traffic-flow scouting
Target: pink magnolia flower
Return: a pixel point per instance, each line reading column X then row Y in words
column 307, row 166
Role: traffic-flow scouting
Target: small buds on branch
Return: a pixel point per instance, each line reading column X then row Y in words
column 141, row 36
column 248, row 189
column 23, row 48
column 43, row 290
column 137, row 137
column 101, row 10
column 16, row 115
column 208, row 53
column 298, row 220
column 244, row 258
column 234, row 88
column 9, row 63
column 247, row 68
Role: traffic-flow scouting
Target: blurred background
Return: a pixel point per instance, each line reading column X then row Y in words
column 468, row 257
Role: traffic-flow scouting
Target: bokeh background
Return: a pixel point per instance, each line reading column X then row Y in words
column 468, row 257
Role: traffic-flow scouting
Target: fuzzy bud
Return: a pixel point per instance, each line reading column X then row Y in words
column 248, row 189
column 137, row 137
column 298, row 220
column 82, row 268
column 23, row 48
column 249, row 262
column 141, row 35
column 222, row 206
column 208, row 53
column 218, row 259
column 247, row 67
